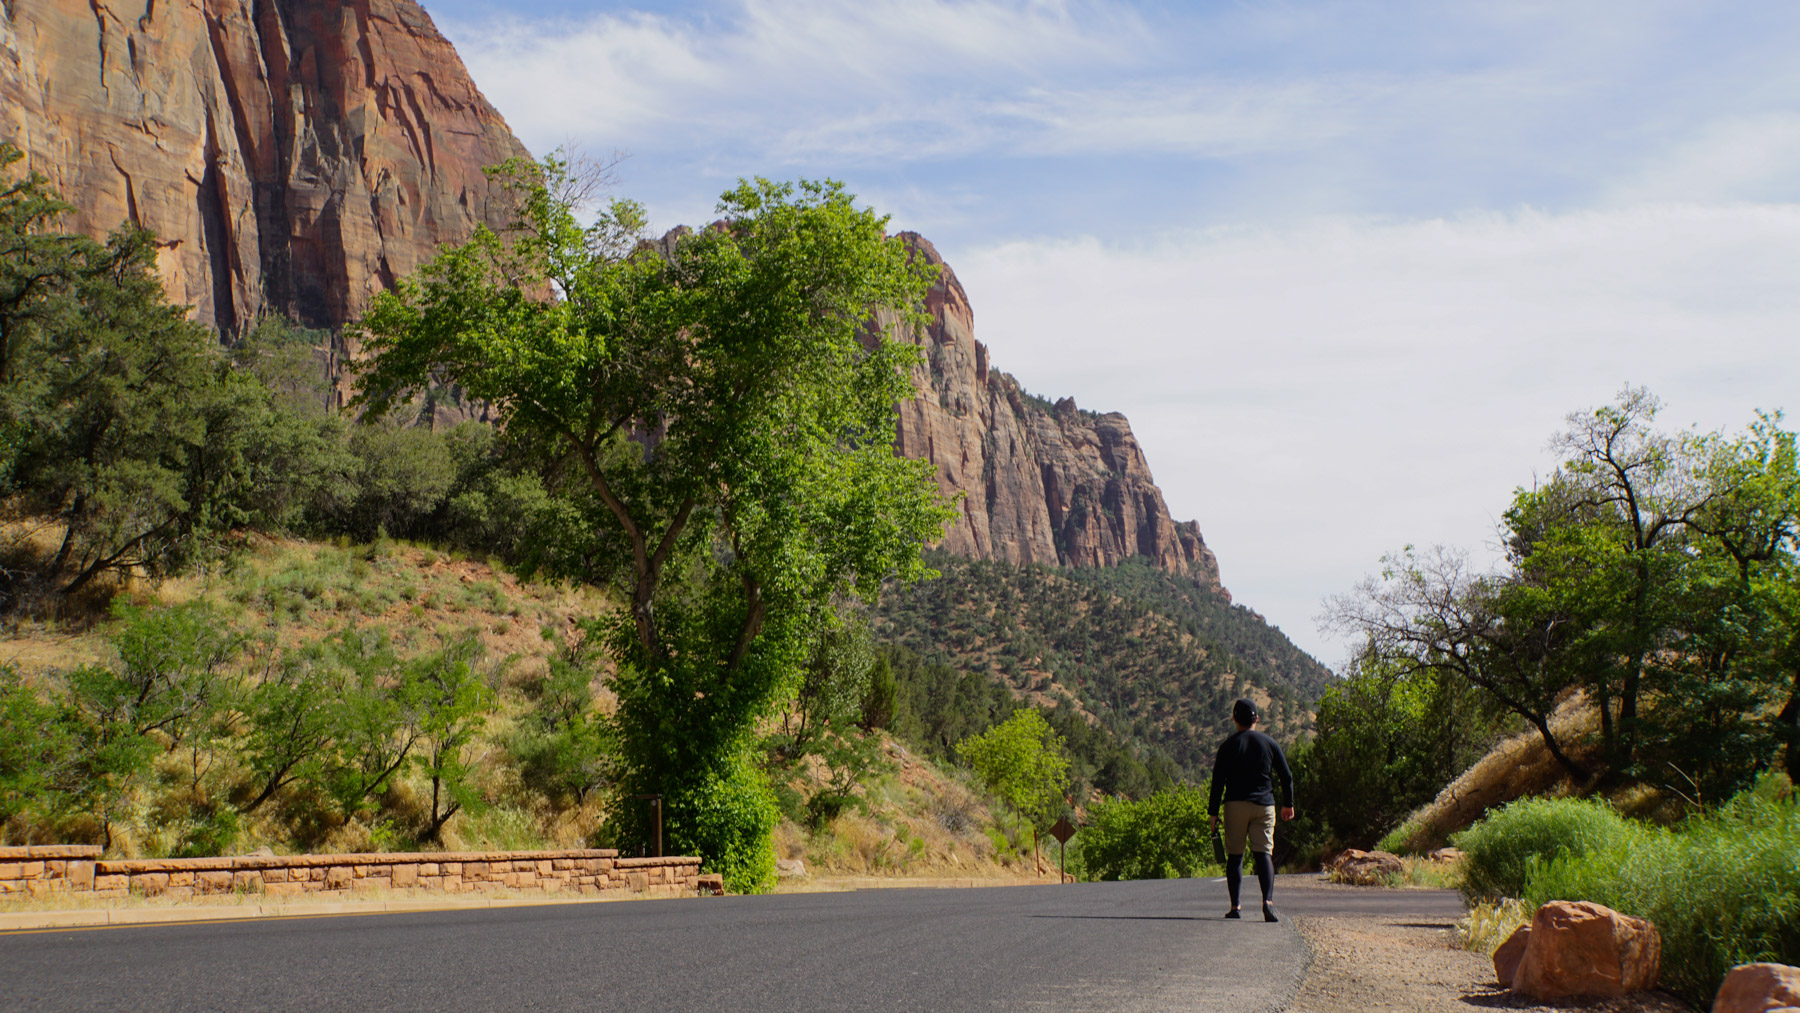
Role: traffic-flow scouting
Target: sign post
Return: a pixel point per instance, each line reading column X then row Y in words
column 1062, row 832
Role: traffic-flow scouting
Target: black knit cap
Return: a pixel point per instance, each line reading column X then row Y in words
column 1244, row 712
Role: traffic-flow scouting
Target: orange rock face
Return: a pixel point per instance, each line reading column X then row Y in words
column 1040, row 483
column 1507, row 957
column 295, row 156
column 1759, row 988
column 1581, row 948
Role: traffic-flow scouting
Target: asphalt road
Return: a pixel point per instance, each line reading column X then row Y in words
column 1143, row 946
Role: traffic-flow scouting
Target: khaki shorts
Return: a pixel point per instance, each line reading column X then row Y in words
column 1252, row 821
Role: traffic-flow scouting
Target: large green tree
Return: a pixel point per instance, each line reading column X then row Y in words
column 721, row 408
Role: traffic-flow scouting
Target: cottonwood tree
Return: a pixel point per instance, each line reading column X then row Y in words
column 721, row 408
column 1655, row 571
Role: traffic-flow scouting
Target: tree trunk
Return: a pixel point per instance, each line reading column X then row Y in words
column 1576, row 770
column 1789, row 718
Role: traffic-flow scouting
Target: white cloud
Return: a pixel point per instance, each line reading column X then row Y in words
column 1737, row 158
column 1320, row 395
column 777, row 65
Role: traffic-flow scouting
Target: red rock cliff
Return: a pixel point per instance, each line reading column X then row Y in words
column 293, row 155
column 1040, row 483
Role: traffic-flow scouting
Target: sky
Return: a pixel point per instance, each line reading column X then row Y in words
column 1345, row 266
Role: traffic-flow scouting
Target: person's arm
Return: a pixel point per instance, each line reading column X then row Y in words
column 1217, row 788
column 1286, row 777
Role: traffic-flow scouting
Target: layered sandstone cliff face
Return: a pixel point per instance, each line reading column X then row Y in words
column 298, row 156
column 293, row 155
column 1039, row 483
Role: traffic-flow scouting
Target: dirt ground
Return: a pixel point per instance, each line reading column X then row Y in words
column 1361, row 965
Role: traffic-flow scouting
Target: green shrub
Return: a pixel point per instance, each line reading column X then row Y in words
column 1723, row 889
column 1501, row 850
column 1164, row 836
column 730, row 822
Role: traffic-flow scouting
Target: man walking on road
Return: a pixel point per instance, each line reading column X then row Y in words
column 1243, row 773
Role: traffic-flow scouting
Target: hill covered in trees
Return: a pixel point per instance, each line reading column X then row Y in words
column 1155, row 658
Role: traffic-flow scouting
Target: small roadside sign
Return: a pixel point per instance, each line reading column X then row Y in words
column 1062, row 832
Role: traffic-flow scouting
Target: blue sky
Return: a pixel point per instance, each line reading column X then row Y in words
column 1344, row 265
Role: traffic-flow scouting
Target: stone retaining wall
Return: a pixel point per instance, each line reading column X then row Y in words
column 38, row 871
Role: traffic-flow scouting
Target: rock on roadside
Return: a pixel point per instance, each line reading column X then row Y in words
column 1759, row 988
column 1507, row 957
column 1366, row 868
column 1581, row 948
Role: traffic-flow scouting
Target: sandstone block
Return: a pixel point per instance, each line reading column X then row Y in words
column 1366, row 868
column 55, row 869
column 544, row 868
column 1759, row 988
column 1506, row 958
column 339, row 877
column 562, row 864
column 213, row 882
column 31, row 870
column 248, row 881
column 1581, row 948
column 8, row 886
column 359, row 871
column 712, row 884
column 284, row 889
column 276, row 875
column 181, row 878
column 112, row 882
column 150, row 884
column 179, row 892
column 428, row 869
column 474, row 870
column 81, row 875
column 12, row 870
column 405, row 876
column 453, row 868
column 637, row 882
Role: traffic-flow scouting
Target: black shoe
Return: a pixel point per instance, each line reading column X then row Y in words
column 1234, row 913
column 1269, row 912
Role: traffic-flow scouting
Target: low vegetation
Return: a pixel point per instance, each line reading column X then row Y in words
column 1164, row 836
column 1722, row 886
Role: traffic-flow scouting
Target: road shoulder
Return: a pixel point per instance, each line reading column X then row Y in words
column 1411, row 963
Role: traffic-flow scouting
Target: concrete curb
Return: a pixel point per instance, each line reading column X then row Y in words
column 25, row 921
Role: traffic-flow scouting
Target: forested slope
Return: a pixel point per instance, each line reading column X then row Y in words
column 1153, row 656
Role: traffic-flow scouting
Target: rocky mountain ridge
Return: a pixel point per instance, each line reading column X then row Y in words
column 1039, row 483
column 293, row 156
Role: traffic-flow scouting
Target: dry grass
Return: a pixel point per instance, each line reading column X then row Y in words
column 285, row 593
column 1490, row 923
column 1519, row 766
column 917, row 821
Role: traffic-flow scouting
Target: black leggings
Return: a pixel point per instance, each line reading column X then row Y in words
column 1265, row 875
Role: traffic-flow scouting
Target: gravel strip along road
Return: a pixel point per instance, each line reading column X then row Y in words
column 1412, row 965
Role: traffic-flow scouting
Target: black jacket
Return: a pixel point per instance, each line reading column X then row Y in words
column 1242, row 771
